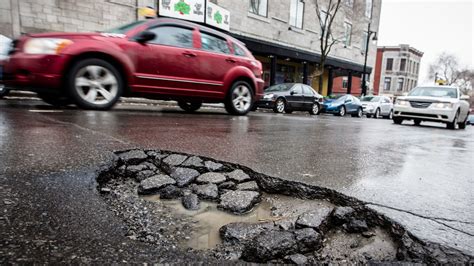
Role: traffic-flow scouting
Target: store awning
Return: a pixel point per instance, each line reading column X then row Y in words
column 261, row 47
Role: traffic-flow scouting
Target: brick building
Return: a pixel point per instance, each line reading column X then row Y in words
column 283, row 34
column 396, row 69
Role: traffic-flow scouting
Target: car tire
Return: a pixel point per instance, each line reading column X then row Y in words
column 280, row 106
column 190, row 106
column 463, row 124
column 342, row 111
column 315, row 109
column 358, row 114
column 55, row 100
column 239, row 100
column 89, row 78
column 377, row 113
column 417, row 122
column 390, row 115
column 452, row 125
column 397, row 121
column 3, row 91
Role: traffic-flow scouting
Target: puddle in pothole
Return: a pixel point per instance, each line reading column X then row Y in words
column 209, row 219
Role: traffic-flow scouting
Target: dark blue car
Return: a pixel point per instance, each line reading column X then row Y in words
column 345, row 104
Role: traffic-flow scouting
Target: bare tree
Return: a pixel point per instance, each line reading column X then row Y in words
column 327, row 39
column 465, row 80
column 446, row 66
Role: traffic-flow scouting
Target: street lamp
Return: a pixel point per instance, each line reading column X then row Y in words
column 369, row 33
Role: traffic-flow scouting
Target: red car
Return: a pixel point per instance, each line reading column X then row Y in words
column 161, row 59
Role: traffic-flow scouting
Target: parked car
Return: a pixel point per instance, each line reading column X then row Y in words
column 289, row 97
column 5, row 43
column 345, row 104
column 162, row 58
column 443, row 104
column 377, row 106
column 470, row 120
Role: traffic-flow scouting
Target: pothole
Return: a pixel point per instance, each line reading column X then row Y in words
column 230, row 212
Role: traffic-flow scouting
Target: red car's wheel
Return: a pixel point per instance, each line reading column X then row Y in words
column 95, row 84
column 239, row 98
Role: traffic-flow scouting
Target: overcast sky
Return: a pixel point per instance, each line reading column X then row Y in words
column 432, row 26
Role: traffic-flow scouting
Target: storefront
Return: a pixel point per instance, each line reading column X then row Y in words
column 284, row 64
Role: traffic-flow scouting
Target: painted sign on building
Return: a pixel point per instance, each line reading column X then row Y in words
column 192, row 10
column 217, row 16
column 201, row 11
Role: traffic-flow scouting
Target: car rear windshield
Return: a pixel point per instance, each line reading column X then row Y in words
column 125, row 28
column 434, row 92
column 280, row 87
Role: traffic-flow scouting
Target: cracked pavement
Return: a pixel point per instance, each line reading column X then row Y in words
column 420, row 177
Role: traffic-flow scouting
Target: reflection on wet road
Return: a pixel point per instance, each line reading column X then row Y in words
column 420, row 176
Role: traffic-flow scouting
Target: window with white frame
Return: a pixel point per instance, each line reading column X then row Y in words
column 259, row 7
column 324, row 25
column 368, row 8
column 345, row 82
column 363, row 47
column 297, row 13
column 347, row 34
column 387, row 84
column 400, row 84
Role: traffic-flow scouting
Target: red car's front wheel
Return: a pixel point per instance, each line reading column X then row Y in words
column 95, row 84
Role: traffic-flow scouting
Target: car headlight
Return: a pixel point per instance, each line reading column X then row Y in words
column 403, row 103
column 442, row 105
column 268, row 96
column 46, row 45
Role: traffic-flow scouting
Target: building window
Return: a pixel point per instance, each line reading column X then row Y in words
column 389, row 64
column 259, row 7
column 387, row 84
column 324, row 15
column 347, row 34
column 297, row 13
column 345, row 82
column 400, row 84
column 403, row 63
column 364, row 42
column 368, row 8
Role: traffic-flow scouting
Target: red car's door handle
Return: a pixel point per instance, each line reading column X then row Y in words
column 230, row 60
column 189, row 54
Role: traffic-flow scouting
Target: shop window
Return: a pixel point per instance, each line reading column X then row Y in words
column 400, row 84
column 345, row 82
column 297, row 13
column 347, row 34
column 259, row 7
column 403, row 63
column 387, row 84
column 389, row 64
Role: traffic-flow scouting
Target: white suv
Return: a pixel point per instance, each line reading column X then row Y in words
column 435, row 103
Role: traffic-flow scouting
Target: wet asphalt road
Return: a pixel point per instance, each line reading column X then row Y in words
column 422, row 177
